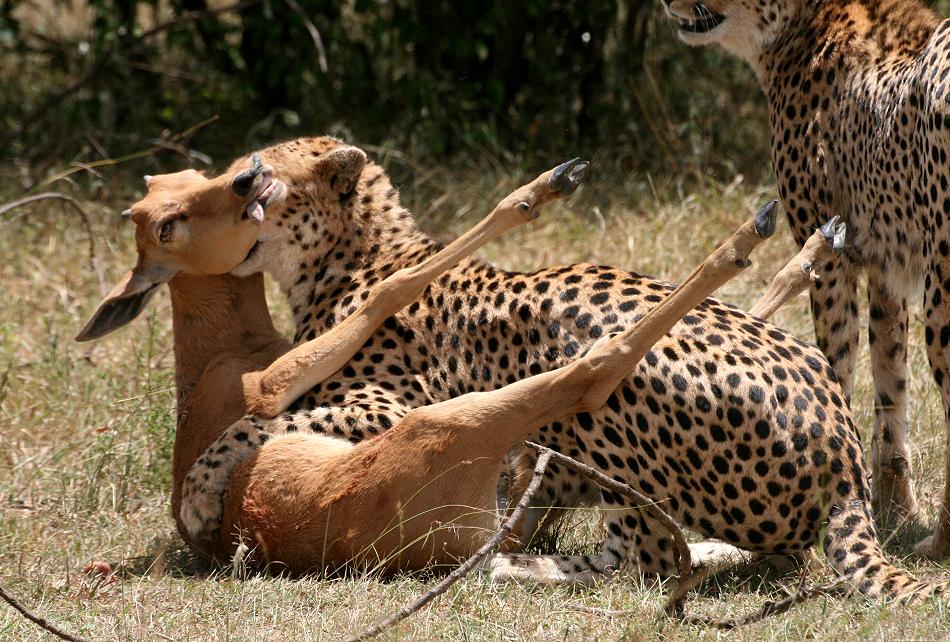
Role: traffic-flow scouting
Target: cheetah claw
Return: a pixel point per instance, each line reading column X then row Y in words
column 835, row 232
column 765, row 220
column 567, row 177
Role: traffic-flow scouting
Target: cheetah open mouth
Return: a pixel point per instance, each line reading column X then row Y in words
column 703, row 20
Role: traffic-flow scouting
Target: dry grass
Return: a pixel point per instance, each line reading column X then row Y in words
column 87, row 429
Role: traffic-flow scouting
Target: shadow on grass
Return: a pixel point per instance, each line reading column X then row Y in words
column 900, row 539
column 169, row 559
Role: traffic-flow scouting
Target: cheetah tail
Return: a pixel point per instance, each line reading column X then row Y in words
column 853, row 550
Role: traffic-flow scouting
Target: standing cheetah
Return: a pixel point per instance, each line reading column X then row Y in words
column 860, row 126
column 738, row 428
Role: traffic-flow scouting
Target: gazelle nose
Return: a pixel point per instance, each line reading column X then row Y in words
column 244, row 182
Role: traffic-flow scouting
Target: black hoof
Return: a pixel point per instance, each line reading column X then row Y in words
column 568, row 176
column 835, row 232
column 765, row 220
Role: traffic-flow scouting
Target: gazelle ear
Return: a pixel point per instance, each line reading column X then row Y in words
column 126, row 301
column 343, row 167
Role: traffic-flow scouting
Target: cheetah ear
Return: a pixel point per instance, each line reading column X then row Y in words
column 126, row 301
column 343, row 166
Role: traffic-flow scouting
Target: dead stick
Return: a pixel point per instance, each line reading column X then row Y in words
column 36, row 619
column 503, row 531
column 769, row 608
column 799, row 273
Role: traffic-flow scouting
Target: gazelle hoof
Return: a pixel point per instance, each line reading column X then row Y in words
column 568, row 176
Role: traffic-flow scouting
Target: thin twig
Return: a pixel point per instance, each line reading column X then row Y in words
column 596, row 610
column 87, row 224
column 503, row 532
column 156, row 146
column 41, row 622
column 96, row 65
column 314, row 34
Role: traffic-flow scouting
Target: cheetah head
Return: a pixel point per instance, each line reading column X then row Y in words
column 742, row 27
column 322, row 176
column 188, row 223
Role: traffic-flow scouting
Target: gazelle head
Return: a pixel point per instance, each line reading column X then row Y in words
column 189, row 223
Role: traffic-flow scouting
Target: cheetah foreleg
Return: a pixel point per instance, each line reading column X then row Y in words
column 203, row 489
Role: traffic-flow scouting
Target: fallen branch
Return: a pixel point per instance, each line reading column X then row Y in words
column 503, row 532
column 41, row 622
column 87, row 224
column 799, row 273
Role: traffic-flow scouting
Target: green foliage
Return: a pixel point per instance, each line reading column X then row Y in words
column 538, row 79
column 437, row 77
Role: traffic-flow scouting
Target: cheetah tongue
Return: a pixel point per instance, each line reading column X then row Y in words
column 255, row 212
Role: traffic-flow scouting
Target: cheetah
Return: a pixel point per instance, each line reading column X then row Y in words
column 859, row 118
column 738, row 428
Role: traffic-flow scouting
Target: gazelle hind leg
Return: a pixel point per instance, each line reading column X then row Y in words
column 204, row 487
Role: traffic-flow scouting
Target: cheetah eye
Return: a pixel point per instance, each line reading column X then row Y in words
column 165, row 233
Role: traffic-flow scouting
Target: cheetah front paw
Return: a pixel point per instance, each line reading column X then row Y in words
column 202, row 504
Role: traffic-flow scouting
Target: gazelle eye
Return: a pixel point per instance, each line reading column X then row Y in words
column 165, row 234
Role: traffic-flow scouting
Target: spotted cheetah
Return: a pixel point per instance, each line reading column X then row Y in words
column 738, row 428
column 857, row 93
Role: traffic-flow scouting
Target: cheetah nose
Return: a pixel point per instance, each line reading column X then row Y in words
column 243, row 183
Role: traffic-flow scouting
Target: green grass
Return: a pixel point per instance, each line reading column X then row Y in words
column 87, row 430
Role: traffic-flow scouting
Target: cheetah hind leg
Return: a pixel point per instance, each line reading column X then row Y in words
column 635, row 542
column 708, row 558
